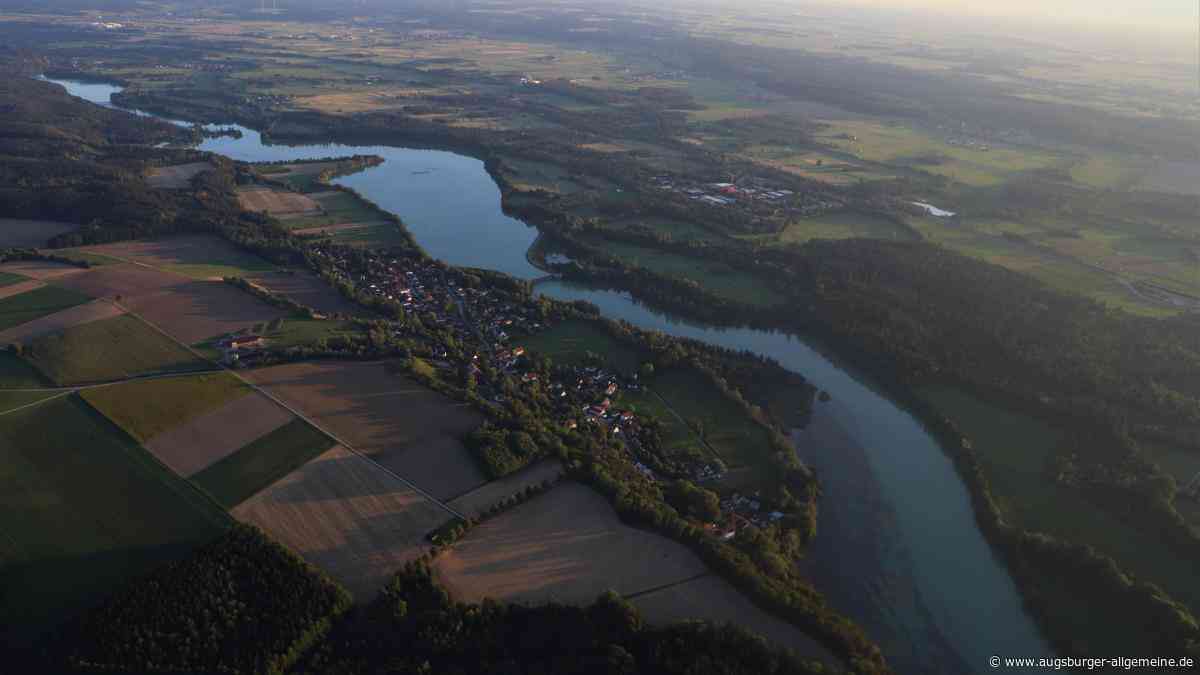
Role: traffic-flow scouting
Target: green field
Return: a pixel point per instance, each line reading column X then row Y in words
column 241, row 475
column 1015, row 450
column 16, row 373
column 39, row 302
column 83, row 510
column 147, row 408
column 570, row 342
column 843, row 225
column 738, row 439
column 715, row 277
column 106, row 350
column 8, row 279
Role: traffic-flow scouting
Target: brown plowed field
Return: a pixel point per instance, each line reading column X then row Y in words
column 30, row 233
column 481, row 499
column 346, row 516
column 277, row 202
column 567, row 546
column 195, row 445
column 407, row 427
column 190, row 311
column 73, row 316
column 176, row 177
column 185, row 249
column 305, row 231
column 309, row 290
column 42, row 271
column 124, row 280
column 711, row 598
column 19, row 288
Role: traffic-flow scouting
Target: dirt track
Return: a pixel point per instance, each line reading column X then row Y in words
column 404, row 426
column 348, row 517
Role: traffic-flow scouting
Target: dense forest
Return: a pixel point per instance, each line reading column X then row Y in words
column 242, row 604
column 414, row 626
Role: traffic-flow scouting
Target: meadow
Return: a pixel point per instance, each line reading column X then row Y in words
column 85, row 510
column 147, row 408
column 842, row 225
column 110, row 349
column 243, row 474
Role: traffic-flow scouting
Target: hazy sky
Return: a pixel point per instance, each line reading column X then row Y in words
column 1174, row 16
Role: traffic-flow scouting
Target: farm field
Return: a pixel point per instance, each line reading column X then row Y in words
column 711, row 598
column 147, row 408
column 16, row 233
column 11, row 285
column 278, row 203
column 82, row 502
column 175, row 177
column 78, row 315
column 347, row 516
column 738, row 439
column 214, row 435
column 481, row 499
column 18, row 309
column 121, row 279
column 571, row 341
column 399, row 423
column 307, row 289
column 1014, row 449
column 237, row 477
column 566, row 545
column 40, row 269
column 198, row 256
column 109, row 349
column 715, row 277
column 16, row 373
column 842, row 225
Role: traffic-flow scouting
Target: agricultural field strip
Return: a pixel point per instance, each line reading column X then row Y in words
column 444, row 506
column 66, row 391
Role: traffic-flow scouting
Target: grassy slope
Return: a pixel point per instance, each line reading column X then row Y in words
column 241, row 475
column 147, row 408
column 107, row 350
column 84, row 510
column 1015, row 450
column 37, row 303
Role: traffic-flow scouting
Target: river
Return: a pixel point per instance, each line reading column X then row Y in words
column 898, row 549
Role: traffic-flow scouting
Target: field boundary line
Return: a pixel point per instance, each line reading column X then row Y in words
column 663, row 587
column 445, row 507
column 38, row 402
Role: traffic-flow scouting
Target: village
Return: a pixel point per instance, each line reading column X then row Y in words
column 748, row 190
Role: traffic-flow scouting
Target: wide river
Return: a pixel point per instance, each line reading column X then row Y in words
column 898, row 548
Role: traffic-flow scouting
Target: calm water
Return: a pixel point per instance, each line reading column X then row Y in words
column 898, row 548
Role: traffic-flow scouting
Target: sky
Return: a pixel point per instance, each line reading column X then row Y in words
column 1174, row 17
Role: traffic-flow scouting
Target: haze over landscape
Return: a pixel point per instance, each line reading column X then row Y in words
column 368, row 336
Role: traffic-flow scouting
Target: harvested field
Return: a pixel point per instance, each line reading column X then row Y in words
column 403, row 425
column 334, row 229
column 479, row 500
column 188, row 310
column 278, row 202
column 17, row 233
column 60, row 321
column 146, row 409
column 241, row 475
column 346, row 516
column 19, row 309
column 199, row 310
column 176, row 177
column 40, row 269
column 197, row 444
column 199, row 256
column 565, row 546
column 711, row 598
column 123, row 280
column 307, row 289
column 111, row 349
column 19, row 287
